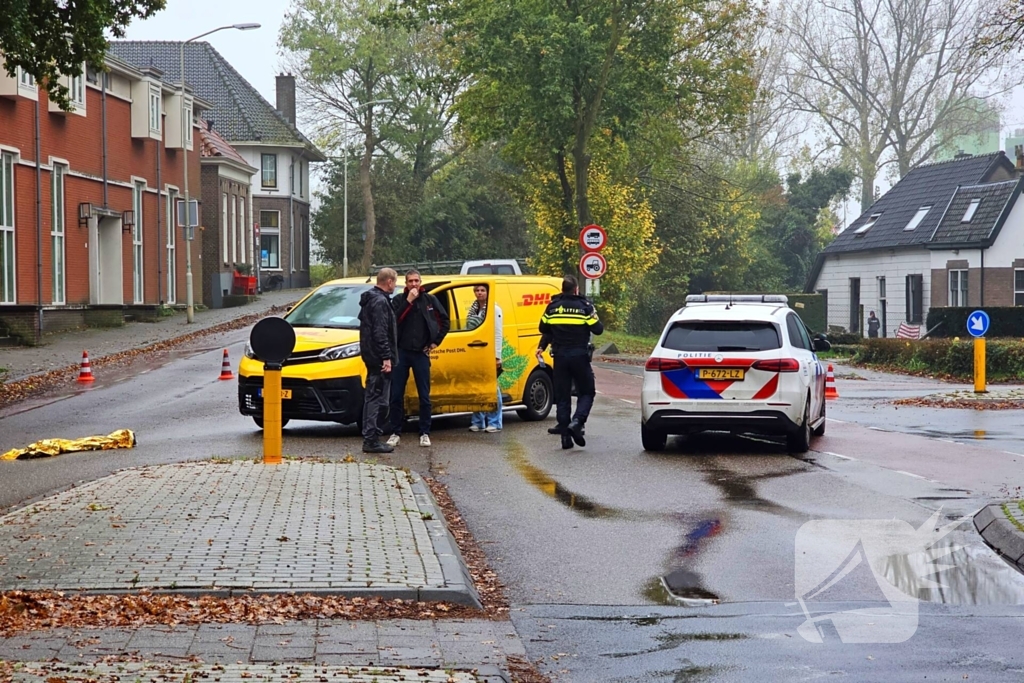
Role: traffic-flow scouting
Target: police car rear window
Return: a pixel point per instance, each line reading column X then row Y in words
column 722, row 336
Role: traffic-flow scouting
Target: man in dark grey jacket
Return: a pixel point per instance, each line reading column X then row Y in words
column 378, row 347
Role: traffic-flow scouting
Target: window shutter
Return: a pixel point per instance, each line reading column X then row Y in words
column 909, row 302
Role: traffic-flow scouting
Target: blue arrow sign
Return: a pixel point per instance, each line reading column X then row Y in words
column 977, row 323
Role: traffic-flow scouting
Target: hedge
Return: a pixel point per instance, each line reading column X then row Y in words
column 953, row 358
column 952, row 322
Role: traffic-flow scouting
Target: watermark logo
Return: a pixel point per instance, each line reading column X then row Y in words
column 841, row 560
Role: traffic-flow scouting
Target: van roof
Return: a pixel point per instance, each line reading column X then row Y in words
column 431, row 279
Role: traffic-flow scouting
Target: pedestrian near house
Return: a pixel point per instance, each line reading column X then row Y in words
column 481, row 421
column 873, row 325
column 378, row 347
column 567, row 324
column 422, row 326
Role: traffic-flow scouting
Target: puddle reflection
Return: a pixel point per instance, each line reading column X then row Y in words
column 955, row 575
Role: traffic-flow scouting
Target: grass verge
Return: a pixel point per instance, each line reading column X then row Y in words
column 629, row 344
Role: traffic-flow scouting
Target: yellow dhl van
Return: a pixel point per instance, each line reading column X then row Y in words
column 323, row 378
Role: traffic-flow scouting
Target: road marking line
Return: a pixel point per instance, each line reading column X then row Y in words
column 632, row 403
column 911, row 474
column 844, row 457
column 838, row 422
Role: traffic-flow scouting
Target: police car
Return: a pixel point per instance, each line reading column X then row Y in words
column 743, row 364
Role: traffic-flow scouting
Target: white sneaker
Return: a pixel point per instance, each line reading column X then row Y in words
column 425, row 441
column 394, row 440
column 474, row 428
column 492, row 429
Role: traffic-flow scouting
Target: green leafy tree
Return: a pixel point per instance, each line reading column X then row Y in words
column 548, row 76
column 49, row 39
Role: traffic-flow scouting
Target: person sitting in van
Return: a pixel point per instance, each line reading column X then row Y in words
column 487, row 422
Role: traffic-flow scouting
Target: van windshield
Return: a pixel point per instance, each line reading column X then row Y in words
column 335, row 306
column 500, row 269
column 703, row 335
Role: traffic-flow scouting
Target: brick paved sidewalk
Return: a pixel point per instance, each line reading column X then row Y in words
column 65, row 348
column 224, row 528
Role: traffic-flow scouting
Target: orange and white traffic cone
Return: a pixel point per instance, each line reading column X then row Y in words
column 85, row 372
column 831, row 392
column 225, row 368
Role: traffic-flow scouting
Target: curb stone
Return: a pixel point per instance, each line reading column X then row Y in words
column 1001, row 534
column 459, row 587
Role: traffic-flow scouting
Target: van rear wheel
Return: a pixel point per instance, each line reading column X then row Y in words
column 537, row 397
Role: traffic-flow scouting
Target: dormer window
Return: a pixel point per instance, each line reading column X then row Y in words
column 188, row 123
column 867, row 226
column 918, row 217
column 971, row 210
column 154, row 109
column 26, row 79
column 78, row 90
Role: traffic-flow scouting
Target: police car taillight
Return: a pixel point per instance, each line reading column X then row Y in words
column 778, row 365
column 664, row 364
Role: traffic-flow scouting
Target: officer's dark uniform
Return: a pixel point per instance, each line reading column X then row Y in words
column 567, row 324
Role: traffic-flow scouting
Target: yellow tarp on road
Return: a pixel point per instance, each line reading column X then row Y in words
column 122, row 438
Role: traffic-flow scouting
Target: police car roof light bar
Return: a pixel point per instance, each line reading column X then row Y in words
column 737, row 298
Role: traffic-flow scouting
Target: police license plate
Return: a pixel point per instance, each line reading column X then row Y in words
column 285, row 393
column 721, row 373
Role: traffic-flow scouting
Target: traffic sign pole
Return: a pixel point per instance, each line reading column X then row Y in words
column 979, row 365
column 977, row 325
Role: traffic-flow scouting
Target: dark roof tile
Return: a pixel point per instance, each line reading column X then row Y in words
column 992, row 199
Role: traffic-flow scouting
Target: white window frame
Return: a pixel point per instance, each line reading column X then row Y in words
column 9, row 260
column 957, row 295
column 172, row 260
column 58, row 216
column 972, row 209
column 78, row 90
column 224, row 227
column 155, row 108
column 25, row 79
column 243, row 253
column 1018, row 291
column 270, row 232
column 234, row 230
column 138, row 253
column 187, row 122
column 868, row 224
column 264, row 157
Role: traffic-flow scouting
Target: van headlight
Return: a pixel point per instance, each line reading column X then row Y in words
column 339, row 352
column 249, row 353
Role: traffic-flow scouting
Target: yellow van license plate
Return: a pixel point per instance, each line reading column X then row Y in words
column 721, row 373
column 285, row 393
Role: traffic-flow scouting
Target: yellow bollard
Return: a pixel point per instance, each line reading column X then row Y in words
column 271, row 415
column 979, row 365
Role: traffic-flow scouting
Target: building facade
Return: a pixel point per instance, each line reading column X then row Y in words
column 228, row 239
column 949, row 234
column 86, row 222
column 266, row 138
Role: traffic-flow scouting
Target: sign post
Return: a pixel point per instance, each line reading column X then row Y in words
column 272, row 341
column 593, row 265
column 977, row 325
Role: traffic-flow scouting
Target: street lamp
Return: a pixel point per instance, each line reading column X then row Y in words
column 344, row 260
column 186, row 126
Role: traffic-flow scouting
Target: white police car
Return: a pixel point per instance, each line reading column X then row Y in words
column 735, row 363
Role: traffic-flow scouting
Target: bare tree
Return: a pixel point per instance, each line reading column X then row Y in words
column 891, row 81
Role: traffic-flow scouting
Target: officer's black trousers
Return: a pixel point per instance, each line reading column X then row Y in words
column 569, row 368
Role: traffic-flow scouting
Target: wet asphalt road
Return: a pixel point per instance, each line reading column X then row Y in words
column 591, row 542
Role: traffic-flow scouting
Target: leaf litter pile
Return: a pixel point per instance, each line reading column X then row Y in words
column 37, row 385
column 961, row 400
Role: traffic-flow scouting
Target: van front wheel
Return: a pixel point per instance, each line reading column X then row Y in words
column 259, row 422
column 537, row 397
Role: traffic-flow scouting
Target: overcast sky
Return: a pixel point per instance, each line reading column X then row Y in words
column 252, row 53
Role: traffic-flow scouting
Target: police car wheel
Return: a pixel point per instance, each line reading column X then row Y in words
column 537, row 397
column 653, row 440
column 800, row 440
column 820, row 429
column 259, row 421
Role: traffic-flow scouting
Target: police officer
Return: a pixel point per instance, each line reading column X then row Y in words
column 567, row 324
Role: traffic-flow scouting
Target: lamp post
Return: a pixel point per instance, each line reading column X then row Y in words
column 186, row 127
column 344, row 260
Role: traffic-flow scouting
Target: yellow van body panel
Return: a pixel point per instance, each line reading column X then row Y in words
column 463, row 374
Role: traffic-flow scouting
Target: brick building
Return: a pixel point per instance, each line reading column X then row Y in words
column 85, row 199
column 264, row 136
column 227, row 240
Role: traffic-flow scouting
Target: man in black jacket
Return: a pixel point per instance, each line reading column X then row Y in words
column 567, row 324
column 378, row 347
column 422, row 326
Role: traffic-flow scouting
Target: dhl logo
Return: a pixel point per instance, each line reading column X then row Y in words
column 536, row 299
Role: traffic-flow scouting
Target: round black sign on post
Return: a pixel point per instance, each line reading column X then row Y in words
column 272, row 340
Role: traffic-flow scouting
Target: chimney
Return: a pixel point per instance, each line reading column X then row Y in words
column 286, row 97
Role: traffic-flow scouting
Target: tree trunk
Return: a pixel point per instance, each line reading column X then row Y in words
column 867, row 191
column 371, row 216
column 568, row 205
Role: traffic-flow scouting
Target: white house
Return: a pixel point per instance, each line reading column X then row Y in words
column 948, row 234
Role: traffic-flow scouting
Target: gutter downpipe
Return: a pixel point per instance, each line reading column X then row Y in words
column 159, row 212
column 982, row 250
column 103, row 116
column 39, row 226
column 291, row 221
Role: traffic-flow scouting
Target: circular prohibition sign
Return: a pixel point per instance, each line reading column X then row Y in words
column 593, row 265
